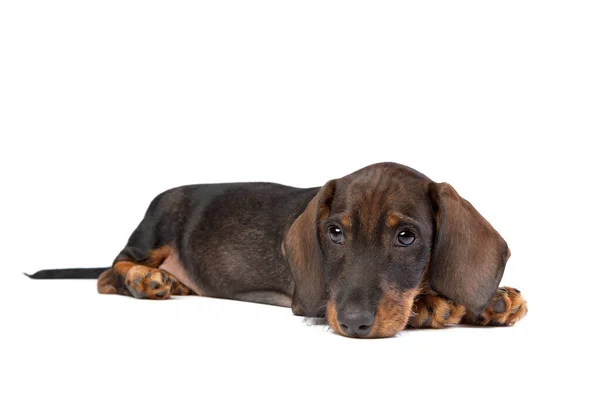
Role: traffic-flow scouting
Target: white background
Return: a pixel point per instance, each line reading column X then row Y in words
column 105, row 104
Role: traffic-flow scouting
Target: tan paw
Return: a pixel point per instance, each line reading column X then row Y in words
column 433, row 311
column 507, row 307
column 179, row 289
column 148, row 283
column 108, row 282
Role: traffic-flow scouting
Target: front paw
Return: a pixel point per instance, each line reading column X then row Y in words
column 433, row 311
column 507, row 307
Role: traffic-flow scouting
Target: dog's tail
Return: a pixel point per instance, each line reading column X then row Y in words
column 70, row 273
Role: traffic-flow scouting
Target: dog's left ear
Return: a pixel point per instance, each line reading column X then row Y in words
column 302, row 249
column 468, row 256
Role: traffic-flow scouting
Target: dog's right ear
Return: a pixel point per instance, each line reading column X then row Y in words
column 302, row 249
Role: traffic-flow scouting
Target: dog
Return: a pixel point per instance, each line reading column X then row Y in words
column 374, row 252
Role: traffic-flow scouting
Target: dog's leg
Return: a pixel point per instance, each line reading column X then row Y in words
column 507, row 307
column 146, row 267
column 141, row 277
column 433, row 311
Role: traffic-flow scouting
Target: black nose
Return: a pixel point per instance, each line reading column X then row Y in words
column 356, row 322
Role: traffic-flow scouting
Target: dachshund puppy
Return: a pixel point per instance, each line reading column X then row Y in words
column 374, row 252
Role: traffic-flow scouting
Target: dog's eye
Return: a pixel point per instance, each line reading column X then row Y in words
column 406, row 238
column 336, row 235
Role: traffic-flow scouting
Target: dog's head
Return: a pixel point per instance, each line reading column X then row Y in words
column 369, row 242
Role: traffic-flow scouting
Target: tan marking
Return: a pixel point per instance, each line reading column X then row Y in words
column 515, row 308
column 146, row 282
column 432, row 311
column 346, row 221
column 393, row 312
column 157, row 256
column 395, row 218
column 154, row 259
column 392, row 220
column 122, row 267
column 129, row 277
column 331, row 315
column 108, row 282
column 391, row 317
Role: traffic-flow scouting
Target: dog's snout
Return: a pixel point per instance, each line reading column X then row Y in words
column 355, row 321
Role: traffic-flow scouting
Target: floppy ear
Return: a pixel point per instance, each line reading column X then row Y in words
column 468, row 256
column 302, row 248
